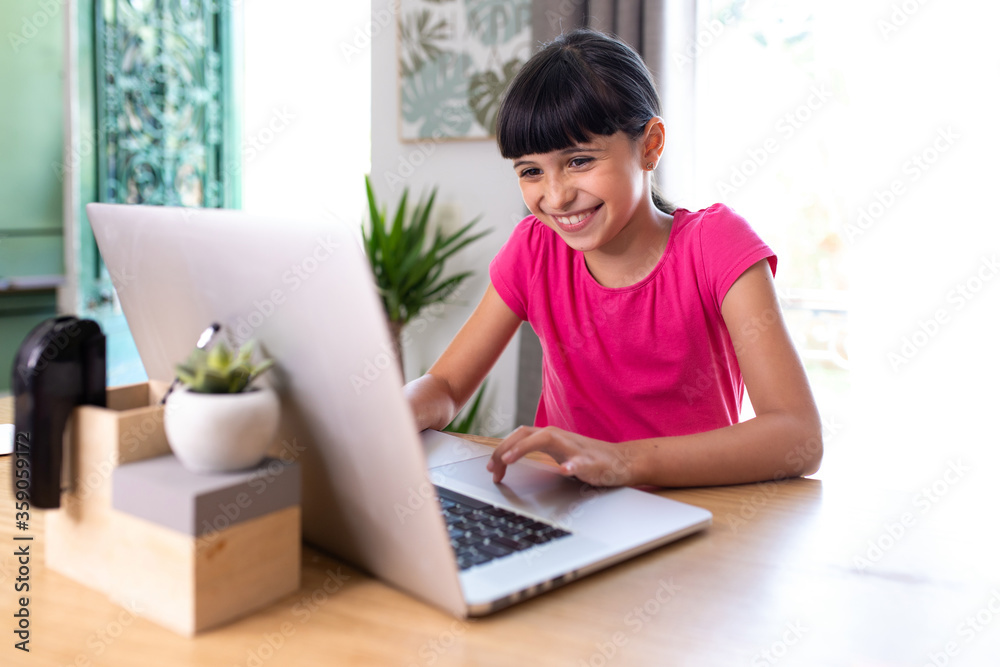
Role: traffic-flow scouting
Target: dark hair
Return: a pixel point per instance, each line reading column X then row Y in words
column 582, row 84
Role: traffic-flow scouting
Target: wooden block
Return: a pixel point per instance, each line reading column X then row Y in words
column 247, row 567
column 196, row 550
column 77, row 542
column 79, row 536
column 189, row 585
column 129, row 429
column 195, row 572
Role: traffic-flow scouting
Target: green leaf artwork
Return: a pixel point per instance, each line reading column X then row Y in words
column 455, row 59
column 435, row 99
column 420, row 40
column 497, row 21
column 485, row 90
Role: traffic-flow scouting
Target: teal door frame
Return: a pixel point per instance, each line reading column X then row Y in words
column 31, row 143
column 136, row 75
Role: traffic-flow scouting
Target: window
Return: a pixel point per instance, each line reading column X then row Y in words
column 769, row 111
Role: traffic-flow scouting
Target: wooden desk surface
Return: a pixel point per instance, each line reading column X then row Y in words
column 795, row 573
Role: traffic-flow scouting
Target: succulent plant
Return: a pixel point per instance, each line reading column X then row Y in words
column 218, row 370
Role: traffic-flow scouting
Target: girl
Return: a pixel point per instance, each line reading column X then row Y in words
column 651, row 318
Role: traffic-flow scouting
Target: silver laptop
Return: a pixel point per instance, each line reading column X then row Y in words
column 419, row 511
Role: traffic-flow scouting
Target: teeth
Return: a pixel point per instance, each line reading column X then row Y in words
column 573, row 219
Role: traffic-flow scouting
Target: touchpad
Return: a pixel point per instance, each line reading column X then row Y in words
column 442, row 449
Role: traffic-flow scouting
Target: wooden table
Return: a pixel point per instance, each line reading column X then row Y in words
column 802, row 572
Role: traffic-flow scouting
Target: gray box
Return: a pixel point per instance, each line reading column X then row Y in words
column 164, row 492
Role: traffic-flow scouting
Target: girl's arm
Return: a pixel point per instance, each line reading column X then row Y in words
column 783, row 439
column 436, row 397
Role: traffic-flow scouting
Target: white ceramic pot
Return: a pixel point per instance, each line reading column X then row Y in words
column 221, row 432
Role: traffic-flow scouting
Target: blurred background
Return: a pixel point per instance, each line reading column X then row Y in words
column 858, row 138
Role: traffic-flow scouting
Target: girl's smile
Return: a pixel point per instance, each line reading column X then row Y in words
column 596, row 196
column 574, row 222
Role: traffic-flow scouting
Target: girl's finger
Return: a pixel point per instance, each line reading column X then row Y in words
column 496, row 464
column 544, row 440
column 533, row 440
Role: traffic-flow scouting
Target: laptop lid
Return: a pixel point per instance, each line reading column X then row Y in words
column 303, row 290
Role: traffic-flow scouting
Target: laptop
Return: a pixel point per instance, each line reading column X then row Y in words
column 418, row 510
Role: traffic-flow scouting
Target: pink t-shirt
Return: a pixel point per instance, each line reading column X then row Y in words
column 652, row 359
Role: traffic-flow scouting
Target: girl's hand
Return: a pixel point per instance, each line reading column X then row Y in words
column 592, row 461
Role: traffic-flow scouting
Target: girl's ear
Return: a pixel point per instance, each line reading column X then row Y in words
column 653, row 140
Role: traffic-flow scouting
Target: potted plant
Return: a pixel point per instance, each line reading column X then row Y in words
column 216, row 420
column 408, row 260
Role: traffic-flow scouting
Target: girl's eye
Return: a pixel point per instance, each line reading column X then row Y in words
column 580, row 161
column 530, row 171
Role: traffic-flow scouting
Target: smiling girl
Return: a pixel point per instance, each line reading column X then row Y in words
column 652, row 318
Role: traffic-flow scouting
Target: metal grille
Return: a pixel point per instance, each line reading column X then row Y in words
column 161, row 117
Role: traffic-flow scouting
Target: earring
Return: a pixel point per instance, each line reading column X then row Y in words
column 649, row 166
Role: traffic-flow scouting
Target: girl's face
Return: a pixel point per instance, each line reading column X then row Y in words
column 586, row 193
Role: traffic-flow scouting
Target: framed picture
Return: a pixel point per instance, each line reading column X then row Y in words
column 456, row 57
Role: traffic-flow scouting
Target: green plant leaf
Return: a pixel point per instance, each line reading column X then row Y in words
column 245, row 353
column 395, row 236
column 467, row 421
column 186, row 374
column 407, row 259
column 260, row 368
column 464, row 242
column 442, row 290
column 239, row 379
column 219, row 358
column 220, row 370
column 214, row 381
column 422, row 216
column 378, row 220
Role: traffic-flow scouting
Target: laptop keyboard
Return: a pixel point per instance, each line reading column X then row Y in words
column 481, row 532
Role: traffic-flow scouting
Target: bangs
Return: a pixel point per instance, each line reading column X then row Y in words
column 554, row 103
